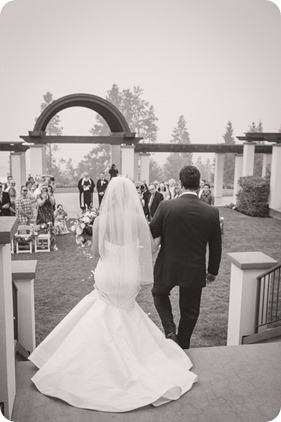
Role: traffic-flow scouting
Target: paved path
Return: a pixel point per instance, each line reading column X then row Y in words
column 235, row 384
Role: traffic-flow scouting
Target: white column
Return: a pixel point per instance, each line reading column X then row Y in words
column 18, row 167
column 237, row 174
column 23, row 274
column 245, row 268
column 275, row 178
column 128, row 161
column 136, row 167
column 266, row 161
column 144, row 166
column 218, row 178
column 248, row 159
column 115, row 151
column 37, row 159
column 7, row 348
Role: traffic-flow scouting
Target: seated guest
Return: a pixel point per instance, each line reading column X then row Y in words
column 206, row 195
column 154, row 200
column 24, row 207
column 5, row 203
column 60, row 223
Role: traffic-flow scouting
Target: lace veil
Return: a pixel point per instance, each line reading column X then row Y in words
column 124, row 237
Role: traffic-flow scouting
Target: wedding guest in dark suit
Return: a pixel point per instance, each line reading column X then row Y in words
column 86, row 188
column 5, row 203
column 186, row 226
column 153, row 201
column 101, row 187
column 113, row 171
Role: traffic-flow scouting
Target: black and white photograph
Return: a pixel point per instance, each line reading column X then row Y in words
column 140, row 210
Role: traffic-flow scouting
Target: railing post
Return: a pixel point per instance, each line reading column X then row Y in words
column 245, row 268
column 23, row 274
column 8, row 226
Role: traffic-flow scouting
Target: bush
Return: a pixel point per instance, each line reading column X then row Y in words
column 252, row 198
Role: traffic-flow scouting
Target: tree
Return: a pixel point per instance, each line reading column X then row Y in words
column 205, row 169
column 53, row 128
column 155, row 171
column 177, row 160
column 138, row 112
column 253, row 128
column 229, row 159
column 95, row 162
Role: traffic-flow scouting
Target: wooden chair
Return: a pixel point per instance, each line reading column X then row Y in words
column 22, row 245
column 42, row 241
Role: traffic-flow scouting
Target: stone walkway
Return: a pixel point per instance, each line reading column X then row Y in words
column 236, row 384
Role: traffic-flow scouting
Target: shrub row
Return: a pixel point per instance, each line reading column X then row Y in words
column 253, row 197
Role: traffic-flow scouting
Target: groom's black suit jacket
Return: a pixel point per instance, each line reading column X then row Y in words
column 186, row 226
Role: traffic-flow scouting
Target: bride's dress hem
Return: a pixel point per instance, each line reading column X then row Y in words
column 110, row 359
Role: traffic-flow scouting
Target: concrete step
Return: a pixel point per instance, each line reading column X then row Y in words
column 236, row 383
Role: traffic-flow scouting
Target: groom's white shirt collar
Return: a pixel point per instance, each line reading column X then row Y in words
column 189, row 193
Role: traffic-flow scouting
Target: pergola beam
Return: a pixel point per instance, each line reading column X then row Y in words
column 13, row 146
column 261, row 137
column 114, row 139
column 209, row 148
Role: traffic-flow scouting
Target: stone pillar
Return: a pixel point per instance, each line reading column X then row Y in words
column 128, row 161
column 8, row 227
column 218, row 178
column 115, row 151
column 37, row 159
column 275, row 178
column 136, row 167
column 144, row 166
column 18, row 166
column 237, row 174
column 23, row 274
column 242, row 311
column 267, row 158
column 248, row 159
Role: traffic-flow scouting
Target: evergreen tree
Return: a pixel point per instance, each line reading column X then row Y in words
column 155, row 171
column 229, row 159
column 53, row 128
column 138, row 112
column 95, row 162
column 253, row 128
column 177, row 160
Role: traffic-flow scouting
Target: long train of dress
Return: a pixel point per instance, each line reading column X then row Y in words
column 109, row 358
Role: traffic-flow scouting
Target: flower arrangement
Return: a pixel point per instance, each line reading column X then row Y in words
column 24, row 236
column 44, row 228
column 82, row 227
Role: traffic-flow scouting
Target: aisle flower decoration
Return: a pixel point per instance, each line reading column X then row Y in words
column 83, row 227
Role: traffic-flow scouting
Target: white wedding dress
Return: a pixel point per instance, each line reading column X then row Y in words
column 107, row 354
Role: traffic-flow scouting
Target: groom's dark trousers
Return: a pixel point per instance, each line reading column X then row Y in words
column 186, row 226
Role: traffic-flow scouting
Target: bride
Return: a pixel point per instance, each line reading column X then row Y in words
column 107, row 354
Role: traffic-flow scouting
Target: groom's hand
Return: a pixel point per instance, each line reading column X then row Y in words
column 210, row 278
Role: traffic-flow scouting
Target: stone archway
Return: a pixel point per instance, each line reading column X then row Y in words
column 120, row 132
column 113, row 117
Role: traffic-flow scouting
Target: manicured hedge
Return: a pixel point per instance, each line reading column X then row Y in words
column 252, row 198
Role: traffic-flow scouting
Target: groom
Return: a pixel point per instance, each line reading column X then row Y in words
column 186, row 226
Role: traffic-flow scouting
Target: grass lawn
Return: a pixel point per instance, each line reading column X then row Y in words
column 64, row 277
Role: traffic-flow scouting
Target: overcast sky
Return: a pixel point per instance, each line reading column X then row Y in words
column 210, row 60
